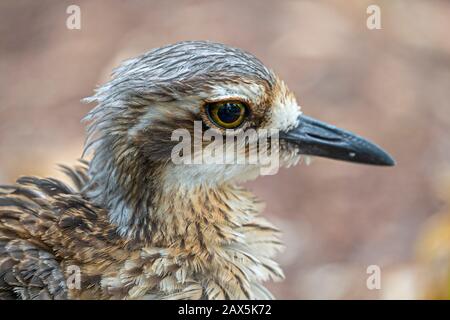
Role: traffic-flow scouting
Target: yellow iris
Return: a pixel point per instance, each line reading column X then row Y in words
column 227, row 114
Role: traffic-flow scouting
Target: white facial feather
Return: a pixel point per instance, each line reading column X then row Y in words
column 284, row 111
column 252, row 92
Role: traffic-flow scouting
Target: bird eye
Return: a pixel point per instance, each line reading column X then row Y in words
column 227, row 114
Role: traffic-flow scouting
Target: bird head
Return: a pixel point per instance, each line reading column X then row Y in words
column 212, row 87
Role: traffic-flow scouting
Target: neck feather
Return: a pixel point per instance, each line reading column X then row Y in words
column 144, row 207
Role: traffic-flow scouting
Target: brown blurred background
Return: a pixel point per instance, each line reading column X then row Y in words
column 390, row 85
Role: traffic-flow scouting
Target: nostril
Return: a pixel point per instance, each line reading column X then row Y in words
column 323, row 137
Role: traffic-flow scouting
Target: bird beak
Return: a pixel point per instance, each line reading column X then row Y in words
column 317, row 138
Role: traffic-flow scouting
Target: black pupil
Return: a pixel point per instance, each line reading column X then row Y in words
column 229, row 112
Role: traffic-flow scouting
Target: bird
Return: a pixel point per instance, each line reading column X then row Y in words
column 132, row 224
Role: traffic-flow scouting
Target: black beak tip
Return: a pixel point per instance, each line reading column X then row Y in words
column 366, row 152
column 384, row 159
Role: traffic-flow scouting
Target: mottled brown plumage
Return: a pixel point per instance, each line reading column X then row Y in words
column 47, row 226
column 138, row 226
